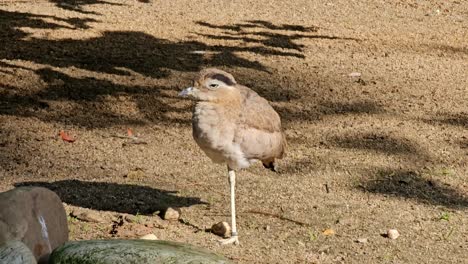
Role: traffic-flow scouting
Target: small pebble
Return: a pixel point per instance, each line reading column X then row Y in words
column 355, row 74
column 361, row 240
column 149, row 237
column 393, row 234
column 130, row 218
column 88, row 216
column 221, row 229
column 171, row 214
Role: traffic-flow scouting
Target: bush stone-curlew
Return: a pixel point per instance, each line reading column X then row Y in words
column 233, row 125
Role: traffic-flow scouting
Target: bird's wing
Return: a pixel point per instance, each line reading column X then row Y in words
column 259, row 130
column 257, row 113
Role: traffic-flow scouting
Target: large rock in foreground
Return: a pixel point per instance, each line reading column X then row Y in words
column 35, row 216
column 131, row 251
column 16, row 252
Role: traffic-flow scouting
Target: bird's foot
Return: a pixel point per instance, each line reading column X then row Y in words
column 232, row 240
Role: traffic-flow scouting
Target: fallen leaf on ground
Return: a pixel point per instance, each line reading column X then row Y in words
column 129, row 132
column 328, row 232
column 66, row 137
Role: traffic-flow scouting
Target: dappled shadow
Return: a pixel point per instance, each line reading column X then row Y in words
column 377, row 142
column 79, row 5
column 259, row 24
column 410, row 184
column 123, row 198
column 117, row 50
column 132, row 50
column 11, row 22
column 453, row 119
column 125, row 54
column 86, row 102
column 357, row 107
column 315, row 113
column 448, row 49
column 464, row 143
column 273, row 36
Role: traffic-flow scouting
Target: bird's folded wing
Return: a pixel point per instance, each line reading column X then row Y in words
column 257, row 113
column 259, row 130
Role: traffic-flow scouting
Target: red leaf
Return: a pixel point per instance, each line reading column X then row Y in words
column 129, row 132
column 66, row 137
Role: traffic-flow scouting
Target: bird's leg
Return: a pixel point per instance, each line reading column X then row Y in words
column 234, row 238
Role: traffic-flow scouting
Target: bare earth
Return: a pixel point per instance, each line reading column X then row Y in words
column 386, row 149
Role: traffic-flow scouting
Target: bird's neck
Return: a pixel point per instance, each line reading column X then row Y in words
column 219, row 111
column 230, row 102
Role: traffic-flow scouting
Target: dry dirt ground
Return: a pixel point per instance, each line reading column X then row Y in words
column 386, row 149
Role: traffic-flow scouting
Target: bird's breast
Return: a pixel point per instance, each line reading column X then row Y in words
column 211, row 127
column 214, row 132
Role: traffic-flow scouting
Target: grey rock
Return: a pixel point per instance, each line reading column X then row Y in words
column 35, row 216
column 16, row 252
column 118, row 251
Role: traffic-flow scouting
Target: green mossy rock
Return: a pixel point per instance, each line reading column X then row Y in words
column 16, row 252
column 131, row 251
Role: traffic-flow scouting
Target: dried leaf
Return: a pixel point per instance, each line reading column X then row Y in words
column 129, row 132
column 328, row 232
column 66, row 137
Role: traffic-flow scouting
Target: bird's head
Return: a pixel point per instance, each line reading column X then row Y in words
column 212, row 85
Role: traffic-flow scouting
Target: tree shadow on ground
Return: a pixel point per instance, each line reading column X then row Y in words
column 356, row 107
column 11, row 23
column 122, row 198
column 378, row 142
column 78, row 6
column 454, row 119
column 271, row 35
column 411, row 184
column 119, row 53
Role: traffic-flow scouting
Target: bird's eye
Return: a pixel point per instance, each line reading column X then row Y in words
column 213, row 85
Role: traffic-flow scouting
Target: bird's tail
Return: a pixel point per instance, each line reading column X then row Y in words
column 270, row 165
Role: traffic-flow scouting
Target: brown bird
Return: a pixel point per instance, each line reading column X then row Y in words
column 233, row 125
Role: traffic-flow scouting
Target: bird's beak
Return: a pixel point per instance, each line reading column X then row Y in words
column 186, row 92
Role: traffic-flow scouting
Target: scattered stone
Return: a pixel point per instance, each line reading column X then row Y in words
column 221, row 229
column 324, row 249
column 35, row 216
column 328, row 232
column 393, row 234
column 16, row 252
column 267, row 228
column 88, row 216
column 171, row 214
column 362, row 240
column 355, row 74
column 131, row 230
column 149, row 237
column 130, row 218
column 132, row 251
column 345, row 221
column 135, row 174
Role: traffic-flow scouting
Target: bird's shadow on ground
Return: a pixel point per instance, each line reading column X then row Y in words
column 122, row 198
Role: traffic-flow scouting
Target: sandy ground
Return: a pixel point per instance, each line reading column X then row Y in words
column 386, row 149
